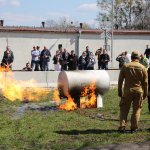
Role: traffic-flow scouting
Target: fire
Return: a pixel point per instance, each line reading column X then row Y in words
column 87, row 100
column 13, row 89
column 88, row 95
column 69, row 105
column 56, row 97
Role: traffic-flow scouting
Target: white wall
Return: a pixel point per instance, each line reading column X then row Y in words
column 49, row 78
column 22, row 42
column 129, row 43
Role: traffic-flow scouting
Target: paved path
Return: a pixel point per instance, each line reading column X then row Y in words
column 136, row 146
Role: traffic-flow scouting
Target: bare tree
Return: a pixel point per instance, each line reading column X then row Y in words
column 64, row 23
column 128, row 14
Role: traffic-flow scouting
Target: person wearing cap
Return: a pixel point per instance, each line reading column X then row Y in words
column 135, row 78
column 121, row 58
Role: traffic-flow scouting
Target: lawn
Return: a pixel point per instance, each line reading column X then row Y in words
column 58, row 129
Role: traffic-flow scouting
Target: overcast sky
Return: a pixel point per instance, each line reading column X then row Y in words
column 32, row 12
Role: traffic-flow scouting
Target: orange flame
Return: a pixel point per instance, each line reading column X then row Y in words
column 13, row 89
column 56, row 97
column 87, row 100
column 69, row 105
column 88, row 95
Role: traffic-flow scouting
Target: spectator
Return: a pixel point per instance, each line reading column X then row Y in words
column 35, row 54
column 72, row 61
column 98, row 54
column 8, row 58
column 65, row 56
column 128, row 57
column 87, row 52
column 104, row 59
column 82, row 61
column 121, row 59
column 40, row 61
column 91, row 62
column 144, row 61
column 61, row 58
column 147, row 51
column 56, row 61
column 28, row 67
column 45, row 58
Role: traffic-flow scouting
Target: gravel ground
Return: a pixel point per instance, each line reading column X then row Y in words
column 135, row 146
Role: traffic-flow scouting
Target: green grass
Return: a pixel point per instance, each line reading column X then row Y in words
column 67, row 130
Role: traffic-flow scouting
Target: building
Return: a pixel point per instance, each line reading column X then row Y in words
column 22, row 39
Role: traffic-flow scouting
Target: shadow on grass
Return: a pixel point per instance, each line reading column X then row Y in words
column 94, row 131
column 107, row 119
column 89, row 131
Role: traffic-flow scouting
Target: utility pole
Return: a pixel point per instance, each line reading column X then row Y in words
column 106, row 39
column 108, row 32
column 130, row 6
column 112, row 34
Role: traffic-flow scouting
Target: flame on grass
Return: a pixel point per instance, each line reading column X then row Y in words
column 69, row 105
column 13, row 89
column 56, row 97
column 87, row 100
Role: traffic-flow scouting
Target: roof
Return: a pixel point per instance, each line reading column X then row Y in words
column 70, row 30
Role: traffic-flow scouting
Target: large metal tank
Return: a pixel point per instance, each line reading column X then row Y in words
column 73, row 82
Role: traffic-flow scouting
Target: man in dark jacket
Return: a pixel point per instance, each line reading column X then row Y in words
column 98, row 54
column 8, row 58
column 104, row 59
column 72, row 61
column 45, row 58
column 65, row 56
column 82, row 63
column 147, row 52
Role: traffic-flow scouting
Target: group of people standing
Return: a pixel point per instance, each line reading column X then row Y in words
column 125, row 58
column 40, row 59
column 64, row 60
column 69, row 61
column 103, row 58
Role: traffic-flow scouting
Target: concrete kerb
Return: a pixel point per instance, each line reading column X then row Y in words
column 48, row 79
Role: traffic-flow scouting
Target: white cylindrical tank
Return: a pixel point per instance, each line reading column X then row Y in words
column 73, row 82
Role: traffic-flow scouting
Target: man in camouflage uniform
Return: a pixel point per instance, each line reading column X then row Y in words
column 135, row 91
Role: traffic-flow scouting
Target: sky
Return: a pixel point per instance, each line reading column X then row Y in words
column 33, row 12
